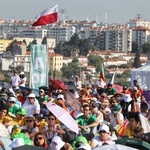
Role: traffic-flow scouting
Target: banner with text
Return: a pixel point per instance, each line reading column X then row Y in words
column 38, row 66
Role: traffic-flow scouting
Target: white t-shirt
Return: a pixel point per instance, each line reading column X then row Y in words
column 31, row 108
column 101, row 83
column 23, row 79
column 15, row 80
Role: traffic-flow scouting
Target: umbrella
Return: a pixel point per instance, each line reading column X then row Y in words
column 117, row 87
column 6, row 142
column 70, row 100
column 114, row 147
column 36, row 91
column 3, row 131
column 63, row 116
column 135, row 143
column 57, row 84
column 29, row 147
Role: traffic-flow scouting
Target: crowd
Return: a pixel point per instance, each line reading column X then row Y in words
column 104, row 115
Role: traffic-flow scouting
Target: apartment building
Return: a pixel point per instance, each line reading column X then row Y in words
column 4, row 44
column 138, row 22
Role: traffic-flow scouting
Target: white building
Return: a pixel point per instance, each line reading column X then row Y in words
column 138, row 22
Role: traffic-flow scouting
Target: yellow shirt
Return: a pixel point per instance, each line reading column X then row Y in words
column 43, row 124
column 6, row 119
column 128, row 132
column 19, row 122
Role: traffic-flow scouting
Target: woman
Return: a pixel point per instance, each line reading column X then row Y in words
column 134, row 121
column 31, row 126
column 40, row 140
column 53, row 128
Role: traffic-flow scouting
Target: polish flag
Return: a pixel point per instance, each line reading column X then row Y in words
column 47, row 16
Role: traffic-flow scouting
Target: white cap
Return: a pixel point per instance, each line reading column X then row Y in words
column 60, row 96
column 127, row 97
column 41, row 90
column 104, row 127
column 17, row 142
column 12, row 99
column 31, row 95
column 59, row 142
column 21, row 72
column 84, row 146
column 93, row 99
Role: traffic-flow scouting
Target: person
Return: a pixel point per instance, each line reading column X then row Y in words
column 15, row 80
column 43, row 99
column 77, row 82
column 110, row 90
column 100, row 82
column 134, row 121
column 32, row 105
column 84, row 146
column 144, row 109
column 53, row 128
column 31, row 126
column 23, row 79
column 85, row 121
column 40, row 140
column 103, row 137
column 137, row 132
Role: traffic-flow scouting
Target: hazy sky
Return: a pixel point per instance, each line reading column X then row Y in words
column 120, row 11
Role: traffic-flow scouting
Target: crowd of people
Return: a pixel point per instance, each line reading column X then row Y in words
column 103, row 116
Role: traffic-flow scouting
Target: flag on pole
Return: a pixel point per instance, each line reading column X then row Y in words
column 112, row 78
column 47, row 16
column 102, row 72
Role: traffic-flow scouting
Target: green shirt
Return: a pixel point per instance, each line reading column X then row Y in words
column 84, row 122
column 45, row 98
column 110, row 92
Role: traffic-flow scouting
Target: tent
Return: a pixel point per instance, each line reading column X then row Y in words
column 142, row 75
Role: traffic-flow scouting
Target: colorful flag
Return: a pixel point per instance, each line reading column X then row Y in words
column 47, row 16
column 112, row 78
column 102, row 72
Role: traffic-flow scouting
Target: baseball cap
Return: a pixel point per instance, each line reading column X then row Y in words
column 95, row 105
column 22, row 73
column 84, row 146
column 31, row 95
column 93, row 99
column 12, row 99
column 104, row 127
column 22, row 111
column 31, row 116
column 60, row 96
column 41, row 90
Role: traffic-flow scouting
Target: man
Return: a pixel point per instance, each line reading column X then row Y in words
column 110, row 90
column 32, row 105
column 77, row 82
column 85, row 120
column 100, row 82
column 43, row 99
column 102, row 138
column 15, row 80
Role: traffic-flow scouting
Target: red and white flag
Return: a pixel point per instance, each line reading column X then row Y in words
column 47, row 16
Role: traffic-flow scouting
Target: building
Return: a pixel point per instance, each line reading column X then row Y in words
column 4, row 44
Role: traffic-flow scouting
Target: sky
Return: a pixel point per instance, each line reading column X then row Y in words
column 118, row 11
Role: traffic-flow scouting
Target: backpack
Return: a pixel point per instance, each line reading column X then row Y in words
column 69, row 135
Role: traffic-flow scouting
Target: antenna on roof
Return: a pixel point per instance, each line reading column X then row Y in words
column 138, row 16
column 106, row 13
column 62, row 11
column 97, row 17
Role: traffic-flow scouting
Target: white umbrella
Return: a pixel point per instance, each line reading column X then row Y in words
column 115, row 147
column 3, row 131
column 62, row 115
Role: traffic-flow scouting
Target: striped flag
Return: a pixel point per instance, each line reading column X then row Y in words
column 102, row 75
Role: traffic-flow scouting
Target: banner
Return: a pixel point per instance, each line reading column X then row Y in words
column 38, row 66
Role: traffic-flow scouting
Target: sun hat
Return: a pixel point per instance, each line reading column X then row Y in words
column 17, row 142
column 22, row 111
column 104, row 127
column 12, row 99
column 60, row 96
column 84, row 146
column 31, row 116
column 116, row 108
column 31, row 95
column 59, row 142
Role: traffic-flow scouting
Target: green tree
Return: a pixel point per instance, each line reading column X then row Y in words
column 75, row 60
column 137, row 62
column 34, row 41
column 134, row 47
column 146, row 48
column 95, row 61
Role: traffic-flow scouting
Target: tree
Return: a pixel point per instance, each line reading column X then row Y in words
column 134, row 47
column 34, row 41
column 75, row 60
column 146, row 48
column 137, row 62
column 44, row 41
column 95, row 61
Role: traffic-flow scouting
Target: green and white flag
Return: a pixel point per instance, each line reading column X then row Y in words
column 38, row 66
